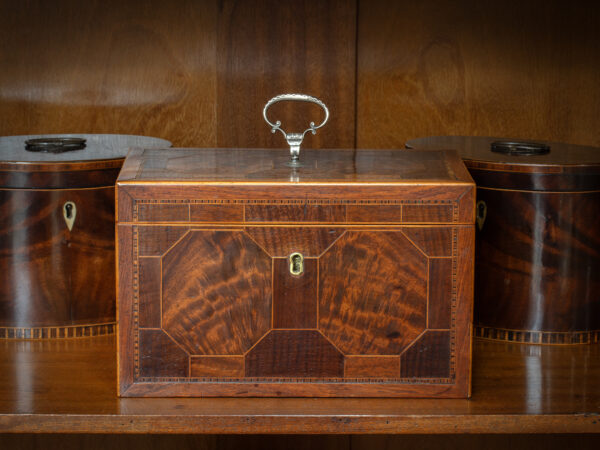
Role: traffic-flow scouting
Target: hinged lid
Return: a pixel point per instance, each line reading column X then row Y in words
column 268, row 166
column 95, row 147
column 522, row 164
column 542, row 157
column 66, row 161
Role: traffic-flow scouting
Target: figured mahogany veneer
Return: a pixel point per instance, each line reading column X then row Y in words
column 538, row 250
column 56, row 282
column 209, row 304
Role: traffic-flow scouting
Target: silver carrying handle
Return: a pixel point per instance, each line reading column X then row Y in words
column 295, row 139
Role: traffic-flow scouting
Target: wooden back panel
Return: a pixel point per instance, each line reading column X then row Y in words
column 198, row 72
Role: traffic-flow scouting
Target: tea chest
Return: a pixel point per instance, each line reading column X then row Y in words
column 537, row 238
column 349, row 274
column 57, row 233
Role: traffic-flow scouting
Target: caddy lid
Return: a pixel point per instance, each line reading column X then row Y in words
column 504, row 153
column 44, row 148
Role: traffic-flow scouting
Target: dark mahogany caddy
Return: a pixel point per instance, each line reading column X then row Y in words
column 537, row 273
column 56, row 282
column 211, row 305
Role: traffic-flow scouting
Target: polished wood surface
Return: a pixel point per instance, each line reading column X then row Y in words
column 538, row 256
column 231, row 290
column 565, row 168
column 109, row 67
column 198, row 72
column 56, row 282
column 527, row 70
column 537, row 252
column 97, row 165
column 477, row 152
column 368, row 176
column 266, row 48
column 216, row 292
column 240, row 165
column 158, row 68
column 294, row 297
column 517, row 388
column 366, row 285
column 53, row 276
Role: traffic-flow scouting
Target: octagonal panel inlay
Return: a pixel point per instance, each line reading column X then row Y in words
column 216, row 292
column 372, row 293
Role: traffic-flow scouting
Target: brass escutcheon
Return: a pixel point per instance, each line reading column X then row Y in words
column 296, row 263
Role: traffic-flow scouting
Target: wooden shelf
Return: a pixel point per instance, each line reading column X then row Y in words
column 69, row 386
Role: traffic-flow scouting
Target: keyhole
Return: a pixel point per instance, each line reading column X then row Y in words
column 69, row 213
column 296, row 264
column 481, row 214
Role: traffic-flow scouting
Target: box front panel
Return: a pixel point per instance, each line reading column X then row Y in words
column 288, row 302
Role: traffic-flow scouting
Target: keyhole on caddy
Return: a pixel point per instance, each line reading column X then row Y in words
column 68, row 210
column 69, row 213
column 481, row 214
column 296, row 263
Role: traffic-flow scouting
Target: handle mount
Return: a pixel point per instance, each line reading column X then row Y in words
column 294, row 140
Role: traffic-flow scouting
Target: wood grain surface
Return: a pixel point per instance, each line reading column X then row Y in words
column 156, row 241
column 551, row 72
column 295, row 296
column 216, row 293
column 295, row 213
column 432, row 241
column 428, row 357
column 355, row 312
column 565, row 168
column 282, row 241
column 372, row 293
column 537, row 245
column 199, row 72
column 163, row 213
column 41, row 278
column 150, row 292
column 217, row 366
column 227, row 289
column 110, row 67
column 535, row 268
column 374, row 213
column 216, row 213
column 369, row 293
column 295, row 354
column 266, row 48
column 372, row 366
column 161, row 356
column 440, row 288
column 516, row 389
column 262, row 165
column 518, row 69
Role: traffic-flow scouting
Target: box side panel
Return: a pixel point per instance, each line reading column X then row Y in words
column 464, row 308
column 125, row 312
